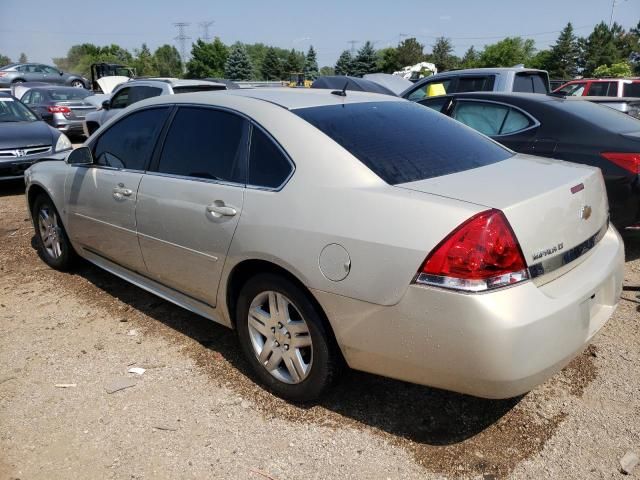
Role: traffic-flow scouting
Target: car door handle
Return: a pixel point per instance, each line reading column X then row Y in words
column 120, row 191
column 219, row 209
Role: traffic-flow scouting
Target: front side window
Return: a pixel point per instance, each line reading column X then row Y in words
column 573, row 89
column 603, row 89
column 129, row 142
column 430, row 89
column 490, row 118
column 206, row 143
column 51, row 70
column 268, row 166
column 121, row 99
column 404, row 142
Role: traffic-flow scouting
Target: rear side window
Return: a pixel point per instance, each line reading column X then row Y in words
column 197, row 88
column 490, row 118
column 206, row 143
column 129, row 142
column 268, row 166
column 603, row 89
column 402, row 141
column 531, row 83
column 475, row 84
column 140, row 93
column 631, row 89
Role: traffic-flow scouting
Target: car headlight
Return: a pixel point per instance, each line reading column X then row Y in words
column 63, row 143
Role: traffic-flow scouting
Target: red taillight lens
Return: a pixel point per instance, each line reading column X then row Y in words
column 628, row 161
column 58, row 109
column 481, row 254
column 3, row 74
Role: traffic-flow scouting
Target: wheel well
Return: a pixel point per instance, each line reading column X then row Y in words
column 92, row 127
column 34, row 191
column 250, row 268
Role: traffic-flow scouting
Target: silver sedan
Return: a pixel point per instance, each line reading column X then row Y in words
column 331, row 228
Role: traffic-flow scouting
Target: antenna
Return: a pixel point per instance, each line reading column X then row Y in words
column 205, row 29
column 182, row 39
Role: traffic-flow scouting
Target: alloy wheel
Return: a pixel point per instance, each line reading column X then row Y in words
column 50, row 232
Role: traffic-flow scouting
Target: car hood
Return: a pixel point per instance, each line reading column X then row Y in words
column 24, row 134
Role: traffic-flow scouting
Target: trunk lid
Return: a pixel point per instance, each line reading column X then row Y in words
column 552, row 205
column 78, row 108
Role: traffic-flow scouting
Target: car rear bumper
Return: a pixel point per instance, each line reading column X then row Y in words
column 12, row 169
column 72, row 127
column 493, row 345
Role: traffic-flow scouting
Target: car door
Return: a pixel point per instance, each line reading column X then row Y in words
column 52, row 75
column 33, row 73
column 190, row 203
column 102, row 197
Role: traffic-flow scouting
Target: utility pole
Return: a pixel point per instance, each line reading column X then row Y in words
column 205, row 29
column 182, row 39
column 613, row 6
column 401, row 36
column 353, row 46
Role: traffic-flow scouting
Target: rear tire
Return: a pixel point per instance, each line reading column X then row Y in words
column 284, row 338
column 51, row 238
column 78, row 84
column 19, row 80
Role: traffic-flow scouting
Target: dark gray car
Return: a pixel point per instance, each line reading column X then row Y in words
column 37, row 72
column 63, row 108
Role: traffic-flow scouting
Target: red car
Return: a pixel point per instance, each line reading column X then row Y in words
column 601, row 87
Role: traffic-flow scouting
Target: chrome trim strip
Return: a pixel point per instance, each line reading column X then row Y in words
column 27, row 151
column 558, row 261
column 190, row 250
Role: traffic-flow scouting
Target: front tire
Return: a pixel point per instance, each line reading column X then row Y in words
column 51, row 238
column 285, row 339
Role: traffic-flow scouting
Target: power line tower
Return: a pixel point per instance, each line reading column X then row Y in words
column 401, row 36
column 182, row 39
column 205, row 29
column 353, row 45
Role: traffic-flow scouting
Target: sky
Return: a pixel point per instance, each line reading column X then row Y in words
column 44, row 29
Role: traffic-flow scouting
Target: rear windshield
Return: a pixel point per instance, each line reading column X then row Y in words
column 402, row 141
column 531, row 83
column 69, row 94
column 197, row 88
column 606, row 117
column 631, row 89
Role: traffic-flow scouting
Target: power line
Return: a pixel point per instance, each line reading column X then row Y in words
column 205, row 29
column 182, row 39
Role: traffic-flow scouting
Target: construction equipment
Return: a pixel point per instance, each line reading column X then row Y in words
column 298, row 80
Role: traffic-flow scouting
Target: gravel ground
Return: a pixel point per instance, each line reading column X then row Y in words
column 196, row 413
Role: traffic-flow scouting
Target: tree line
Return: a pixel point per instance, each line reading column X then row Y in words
column 606, row 51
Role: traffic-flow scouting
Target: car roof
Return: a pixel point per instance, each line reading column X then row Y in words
column 579, row 80
column 175, row 82
column 487, row 70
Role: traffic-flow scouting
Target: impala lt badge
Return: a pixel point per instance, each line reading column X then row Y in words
column 585, row 212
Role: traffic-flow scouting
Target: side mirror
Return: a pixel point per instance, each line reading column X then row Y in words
column 60, row 72
column 106, row 105
column 80, row 156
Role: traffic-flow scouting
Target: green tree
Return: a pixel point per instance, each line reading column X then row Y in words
column 4, row 60
column 409, row 52
column 344, row 65
column 563, row 60
column 207, row 59
column 167, row 61
column 600, row 49
column 80, row 57
column 294, row 63
column 271, row 65
column 388, row 60
column 622, row 69
column 238, row 65
column 143, row 62
column 470, row 58
column 326, row 70
column 543, row 61
column 365, row 61
column 23, row 58
column 310, row 64
column 507, row 53
column 442, row 55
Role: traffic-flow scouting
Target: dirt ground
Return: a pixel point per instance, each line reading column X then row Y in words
column 196, row 413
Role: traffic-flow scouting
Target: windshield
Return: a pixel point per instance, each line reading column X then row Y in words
column 69, row 94
column 13, row 111
column 402, row 141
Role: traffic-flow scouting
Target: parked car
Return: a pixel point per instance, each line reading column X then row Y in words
column 25, row 139
column 133, row 91
column 551, row 126
column 64, row 108
column 515, row 79
column 628, row 105
column 347, row 83
column 601, row 87
column 326, row 227
column 37, row 72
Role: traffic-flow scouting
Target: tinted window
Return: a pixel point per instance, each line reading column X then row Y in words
column 129, row 142
column 605, row 117
column 69, row 94
column 531, row 83
column 140, row 93
column 404, row 142
column 206, row 143
column 603, row 89
column 37, row 98
column 430, row 89
column 197, row 88
column 631, row 89
column 490, row 118
column 121, row 99
column 436, row 104
column 268, row 166
column 14, row 111
column 475, row 84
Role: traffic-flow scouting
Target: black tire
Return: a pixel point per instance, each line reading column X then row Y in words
column 62, row 258
column 326, row 359
column 78, row 84
column 19, row 80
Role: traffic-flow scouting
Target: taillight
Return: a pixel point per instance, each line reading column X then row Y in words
column 481, row 254
column 58, row 109
column 628, row 161
column 3, row 74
